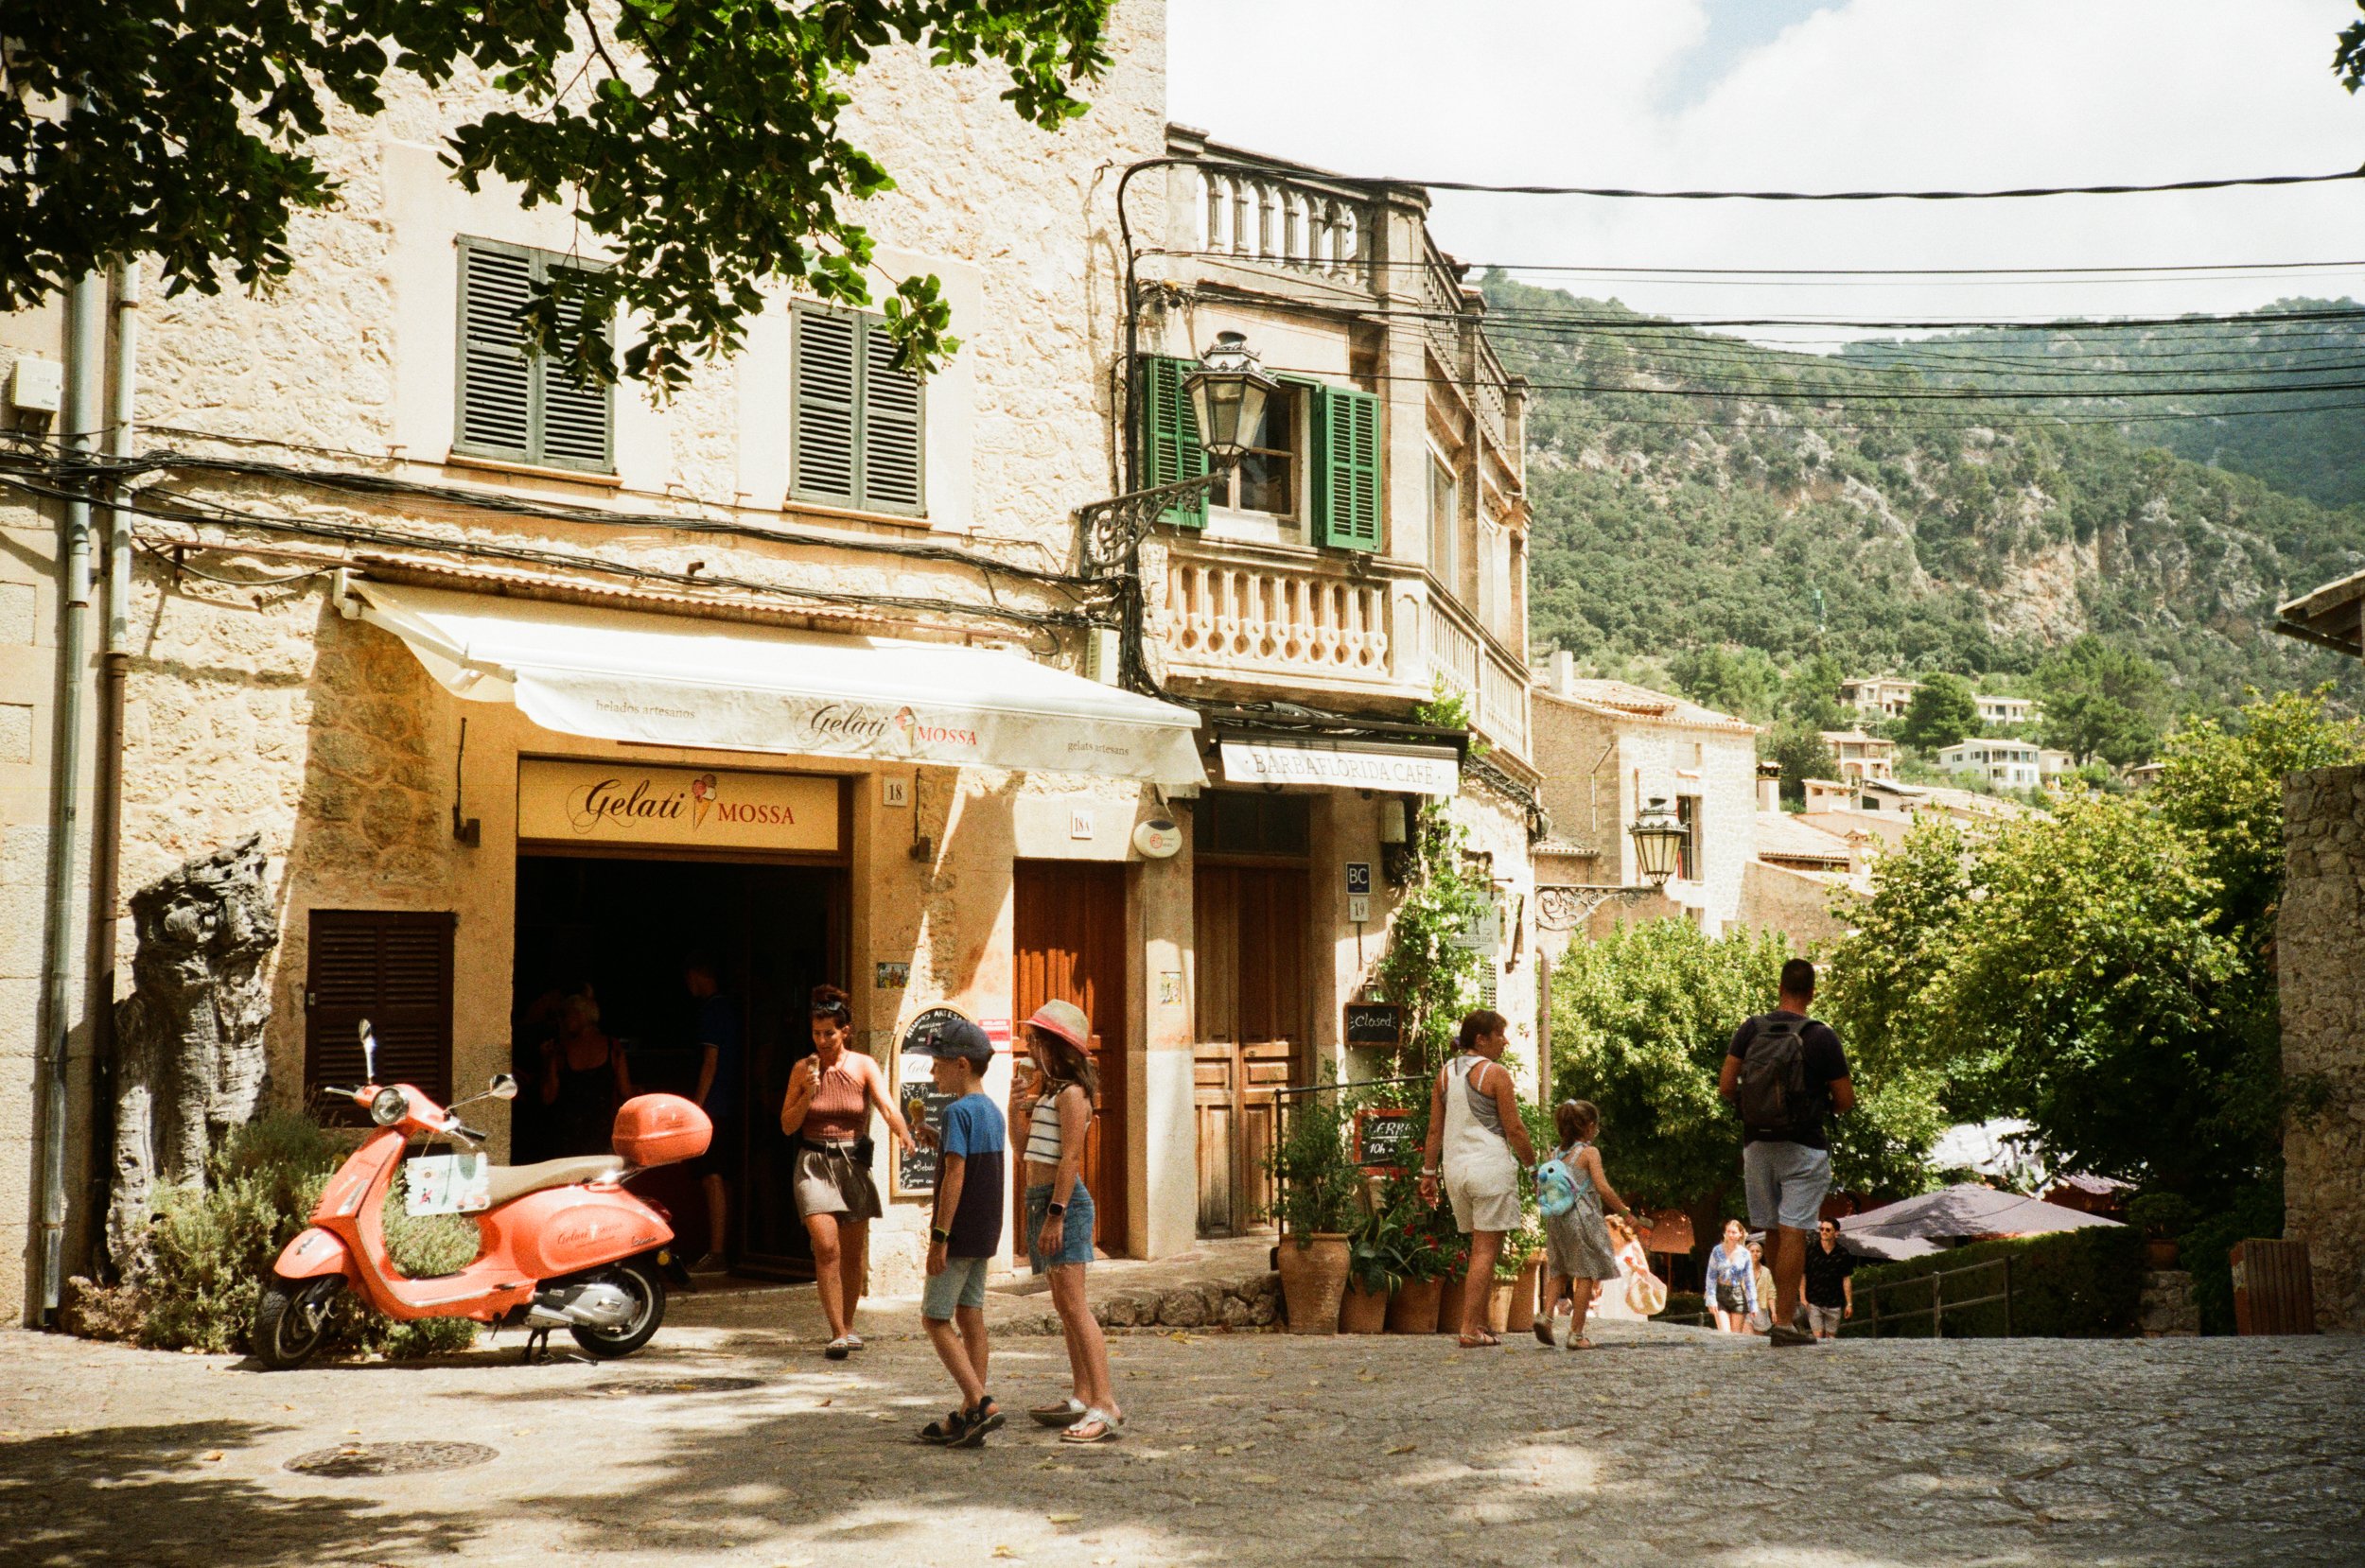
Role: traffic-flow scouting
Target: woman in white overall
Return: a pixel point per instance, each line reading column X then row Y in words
column 1479, row 1143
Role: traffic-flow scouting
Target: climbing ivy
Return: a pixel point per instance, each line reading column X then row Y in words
column 1443, row 896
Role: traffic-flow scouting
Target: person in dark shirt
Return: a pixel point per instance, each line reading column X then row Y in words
column 718, row 1095
column 1831, row 1294
column 973, row 1152
column 1788, row 1169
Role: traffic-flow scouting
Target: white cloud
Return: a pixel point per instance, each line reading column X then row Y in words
column 1866, row 94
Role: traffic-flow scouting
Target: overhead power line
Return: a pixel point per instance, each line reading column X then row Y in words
column 2015, row 193
column 1383, row 264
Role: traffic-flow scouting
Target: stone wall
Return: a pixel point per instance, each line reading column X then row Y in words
column 2320, row 949
column 1797, row 903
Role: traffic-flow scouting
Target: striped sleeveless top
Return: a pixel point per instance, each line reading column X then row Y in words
column 1044, row 1144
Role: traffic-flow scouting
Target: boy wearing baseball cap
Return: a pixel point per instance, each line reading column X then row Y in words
column 965, row 1231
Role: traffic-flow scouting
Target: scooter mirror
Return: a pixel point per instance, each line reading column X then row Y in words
column 505, row 1086
column 369, row 1053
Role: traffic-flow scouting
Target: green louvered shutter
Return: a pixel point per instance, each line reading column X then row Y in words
column 1346, row 469
column 1169, row 436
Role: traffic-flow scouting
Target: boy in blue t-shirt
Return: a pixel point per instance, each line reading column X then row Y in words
column 965, row 1229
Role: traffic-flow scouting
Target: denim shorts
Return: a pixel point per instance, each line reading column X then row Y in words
column 962, row 1284
column 1787, row 1183
column 1076, row 1234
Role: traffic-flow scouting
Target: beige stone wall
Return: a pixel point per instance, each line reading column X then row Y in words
column 1795, row 903
column 2319, row 946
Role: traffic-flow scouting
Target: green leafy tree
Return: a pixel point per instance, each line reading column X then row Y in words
column 1640, row 1024
column 2102, row 701
column 1810, row 693
column 1742, row 682
column 1802, row 754
column 1942, row 712
column 698, row 140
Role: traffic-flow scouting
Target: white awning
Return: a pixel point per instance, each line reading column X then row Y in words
column 676, row 681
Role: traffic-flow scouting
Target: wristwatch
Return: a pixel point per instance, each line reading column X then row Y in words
column 938, row 1233
column 1055, row 1208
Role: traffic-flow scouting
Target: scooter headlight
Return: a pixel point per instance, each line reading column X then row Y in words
column 389, row 1107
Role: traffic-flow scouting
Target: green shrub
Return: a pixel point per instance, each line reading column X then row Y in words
column 1317, row 1182
column 2206, row 1248
column 210, row 1249
column 2075, row 1284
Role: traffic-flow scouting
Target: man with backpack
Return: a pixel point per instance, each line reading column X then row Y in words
column 1785, row 1074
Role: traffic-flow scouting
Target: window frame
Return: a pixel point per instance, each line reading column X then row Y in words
column 865, row 324
column 535, row 452
column 1223, row 503
column 1691, row 864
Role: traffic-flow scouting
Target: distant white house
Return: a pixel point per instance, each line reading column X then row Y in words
column 2143, row 775
column 2011, row 764
column 2052, row 766
column 1879, row 696
column 1861, row 757
column 2006, row 710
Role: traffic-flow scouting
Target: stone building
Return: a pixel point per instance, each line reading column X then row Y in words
column 1367, row 555
column 2319, row 953
column 524, row 686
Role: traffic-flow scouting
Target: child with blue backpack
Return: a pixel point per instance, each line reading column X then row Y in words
column 1571, row 1188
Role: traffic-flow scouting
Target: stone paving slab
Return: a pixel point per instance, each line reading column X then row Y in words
column 1664, row 1445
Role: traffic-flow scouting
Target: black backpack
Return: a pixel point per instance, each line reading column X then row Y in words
column 1771, row 1093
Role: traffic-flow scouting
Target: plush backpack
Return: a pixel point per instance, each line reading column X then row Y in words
column 1772, row 1093
column 1555, row 1187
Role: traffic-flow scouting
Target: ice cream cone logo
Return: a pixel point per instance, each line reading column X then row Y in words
column 701, row 799
column 905, row 722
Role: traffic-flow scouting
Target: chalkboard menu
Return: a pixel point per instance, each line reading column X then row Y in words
column 1377, row 1024
column 921, row 1103
column 1383, row 1139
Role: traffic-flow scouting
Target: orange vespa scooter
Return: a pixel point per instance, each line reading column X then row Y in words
column 563, row 1245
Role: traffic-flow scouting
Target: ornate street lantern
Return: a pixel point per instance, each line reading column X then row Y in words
column 1657, row 838
column 1228, row 392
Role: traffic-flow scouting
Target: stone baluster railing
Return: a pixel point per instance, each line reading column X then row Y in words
column 1275, row 622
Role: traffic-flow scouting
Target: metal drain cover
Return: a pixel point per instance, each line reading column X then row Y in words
column 354, row 1459
column 671, row 1385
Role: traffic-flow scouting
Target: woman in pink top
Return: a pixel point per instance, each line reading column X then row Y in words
column 830, row 1096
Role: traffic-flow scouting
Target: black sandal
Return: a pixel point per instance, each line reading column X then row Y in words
column 986, row 1415
column 948, row 1432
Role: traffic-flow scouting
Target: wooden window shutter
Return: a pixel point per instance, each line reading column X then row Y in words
column 1346, row 469
column 495, row 379
column 1169, row 436
column 892, row 453
column 393, row 967
column 578, row 419
column 825, row 409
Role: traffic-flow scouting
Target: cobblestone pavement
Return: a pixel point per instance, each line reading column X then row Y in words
column 1662, row 1445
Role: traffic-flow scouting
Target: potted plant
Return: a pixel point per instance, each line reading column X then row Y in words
column 1315, row 1188
column 1512, row 1308
column 1372, row 1263
column 1420, row 1257
column 1456, row 1279
column 2161, row 1216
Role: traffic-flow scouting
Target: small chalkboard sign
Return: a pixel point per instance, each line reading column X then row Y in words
column 921, row 1103
column 1379, row 1025
column 1383, row 1139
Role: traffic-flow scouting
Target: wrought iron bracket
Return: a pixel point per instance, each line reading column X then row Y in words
column 1112, row 531
column 1564, row 906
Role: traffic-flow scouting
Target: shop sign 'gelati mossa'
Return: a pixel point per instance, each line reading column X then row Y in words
column 709, row 808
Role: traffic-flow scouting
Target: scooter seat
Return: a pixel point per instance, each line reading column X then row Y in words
column 515, row 1181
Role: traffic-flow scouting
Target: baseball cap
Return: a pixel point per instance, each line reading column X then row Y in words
column 959, row 1038
column 1065, row 1020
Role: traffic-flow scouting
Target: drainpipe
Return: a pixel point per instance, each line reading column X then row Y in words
column 107, row 826
column 86, row 344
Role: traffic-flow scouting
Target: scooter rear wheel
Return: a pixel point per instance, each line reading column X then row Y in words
column 291, row 1319
column 638, row 1278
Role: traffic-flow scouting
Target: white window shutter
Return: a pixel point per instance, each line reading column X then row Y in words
column 496, row 381
column 891, row 425
column 577, row 417
column 825, row 409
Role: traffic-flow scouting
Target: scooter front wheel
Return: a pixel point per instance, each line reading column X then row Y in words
column 291, row 1319
column 637, row 1277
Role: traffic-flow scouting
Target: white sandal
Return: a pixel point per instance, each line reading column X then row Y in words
column 837, row 1349
column 1108, row 1424
column 1066, row 1413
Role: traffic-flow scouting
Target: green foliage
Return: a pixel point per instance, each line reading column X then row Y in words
column 2206, row 1245
column 212, row 1249
column 1810, row 693
column 1640, row 1024
column 697, row 141
column 1744, row 682
column 2101, row 701
column 1802, row 754
column 2072, row 1285
column 1318, row 1184
column 1942, row 712
column 1443, row 896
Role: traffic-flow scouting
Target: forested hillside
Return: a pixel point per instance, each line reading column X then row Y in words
column 1897, row 526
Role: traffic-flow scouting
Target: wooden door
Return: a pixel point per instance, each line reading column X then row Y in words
column 1252, row 940
column 1069, row 939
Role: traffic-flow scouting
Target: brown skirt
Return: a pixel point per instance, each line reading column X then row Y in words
column 827, row 1181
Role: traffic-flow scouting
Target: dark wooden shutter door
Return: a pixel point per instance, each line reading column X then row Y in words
column 393, row 967
column 824, row 408
column 1346, row 469
column 891, row 426
column 1169, row 436
column 496, row 381
column 577, row 416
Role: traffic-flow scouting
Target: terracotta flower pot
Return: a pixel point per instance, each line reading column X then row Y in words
column 2159, row 1254
column 1449, row 1303
column 1362, row 1310
column 1522, row 1316
column 1313, row 1278
column 1413, row 1308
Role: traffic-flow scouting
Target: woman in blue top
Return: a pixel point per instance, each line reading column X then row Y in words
column 1732, row 1280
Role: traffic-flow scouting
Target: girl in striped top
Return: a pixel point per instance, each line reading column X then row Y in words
column 1058, row 1227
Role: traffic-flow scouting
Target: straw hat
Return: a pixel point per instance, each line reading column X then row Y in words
column 1065, row 1020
